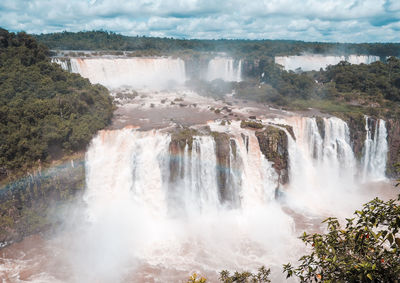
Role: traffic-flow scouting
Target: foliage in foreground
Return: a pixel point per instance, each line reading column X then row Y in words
column 45, row 112
column 367, row 249
column 262, row 276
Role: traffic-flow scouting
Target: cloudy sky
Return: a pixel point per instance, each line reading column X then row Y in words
column 309, row 20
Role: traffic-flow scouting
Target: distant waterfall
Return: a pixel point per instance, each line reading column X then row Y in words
column 149, row 73
column 317, row 61
column 375, row 150
column 226, row 69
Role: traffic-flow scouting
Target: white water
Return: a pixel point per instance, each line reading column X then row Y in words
column 322, row 168
column 136, row 216
column 144, row 219
column 149, row 73
column 224, row 68
column 142, row 212
column 375, row 151
column 315, row 61
column 62, row 62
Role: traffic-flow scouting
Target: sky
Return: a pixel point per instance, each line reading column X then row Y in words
column 308, row 20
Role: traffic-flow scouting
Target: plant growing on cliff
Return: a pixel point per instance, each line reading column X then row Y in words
column 251, row 124
column 367, row 249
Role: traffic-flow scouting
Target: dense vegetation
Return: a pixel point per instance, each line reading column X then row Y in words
column 45, row 112
column 373, row 89
column 102, row 40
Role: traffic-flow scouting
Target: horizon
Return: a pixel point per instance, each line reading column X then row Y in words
column 371, row 21
column 200, row 39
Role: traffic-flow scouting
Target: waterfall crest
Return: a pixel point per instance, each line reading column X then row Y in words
column 224, row 68
column 316, row 61
column 149, row 73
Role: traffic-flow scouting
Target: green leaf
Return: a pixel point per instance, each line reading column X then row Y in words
column 370, row 276
column 390, row 238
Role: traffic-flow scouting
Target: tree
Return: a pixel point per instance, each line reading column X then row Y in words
column 367, row 249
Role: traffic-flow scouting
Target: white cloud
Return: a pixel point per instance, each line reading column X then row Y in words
column 324, row 20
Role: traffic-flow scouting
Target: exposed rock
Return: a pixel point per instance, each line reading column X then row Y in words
column 288, row 128
column 126, row 95
column 321, row 126
column 393, row 128
column 222, row 142
column 29, row 205
column 274, row 145
column 180, row 138
column 251, row 124
column 245, row 141
column 356, row 124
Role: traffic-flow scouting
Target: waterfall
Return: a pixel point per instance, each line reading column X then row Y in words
column 375, row 150
column 196, row 187
column 153, row 208
column 322, row 164
column 149, row 73
column 224, row 68
column 64, row 63
column 149, row 202
column 316, row 61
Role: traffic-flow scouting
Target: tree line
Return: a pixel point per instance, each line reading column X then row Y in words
column 104, row 40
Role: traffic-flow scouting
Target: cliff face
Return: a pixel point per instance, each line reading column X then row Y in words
column 29, row 205
column 222, row 146
column 393, row 128
column 358, row 133
column 274, row 145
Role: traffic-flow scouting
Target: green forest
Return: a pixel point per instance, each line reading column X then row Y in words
column 103, row 40
column 373, row 89
column 45, row 112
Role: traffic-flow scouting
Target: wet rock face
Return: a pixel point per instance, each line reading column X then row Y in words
column 321, row 126
column 180, row 139
column 356, row 124
column 274, row 145
column 222, row 142
column 30, row 205
column 393, row 128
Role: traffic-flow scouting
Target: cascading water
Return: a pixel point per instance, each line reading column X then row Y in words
column 315, row 61
column 140, row 210
column 64, row 63
column 157, row 209
column 224, row 68
column 323, row 167
column 149, row 73
column 196, row 185
column 375, row 150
